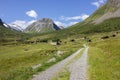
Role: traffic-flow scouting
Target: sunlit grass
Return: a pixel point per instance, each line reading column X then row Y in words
column 104, row 60
column 16, row 61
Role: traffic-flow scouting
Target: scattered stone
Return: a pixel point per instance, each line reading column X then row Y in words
column 51, row 60
column 56, row 42
column 36, row 66
column 53, row 43
column 59, row 53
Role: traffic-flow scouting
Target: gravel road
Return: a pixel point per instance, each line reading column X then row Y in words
column 78, row 69
column 52, row 71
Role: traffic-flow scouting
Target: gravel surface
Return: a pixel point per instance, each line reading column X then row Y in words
column 78, row 69
column 52, row 71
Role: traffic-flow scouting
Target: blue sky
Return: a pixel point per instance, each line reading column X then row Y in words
column 63, row 12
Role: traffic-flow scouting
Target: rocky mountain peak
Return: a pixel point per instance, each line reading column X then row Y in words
column 43, row 25
column 45, row 20
column 114, row 3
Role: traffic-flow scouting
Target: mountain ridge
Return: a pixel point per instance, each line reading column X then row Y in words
column 43, row 25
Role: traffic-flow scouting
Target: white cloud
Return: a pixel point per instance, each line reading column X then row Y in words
column 59, row 23
column 69, row 21
column 102, row 1
column 65, row 24
column 81, row 17
column 21, row 23
column 30, row 22
column 98, row 3
column 72, row 23
column 32, row 14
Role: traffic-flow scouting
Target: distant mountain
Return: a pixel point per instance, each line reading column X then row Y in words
column 13, row 27
column 3, row 24
column 16, row 27
column 43, row 25
column 7, row 33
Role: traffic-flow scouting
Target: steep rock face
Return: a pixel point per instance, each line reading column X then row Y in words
column 111, row 10
column 114, row 3
column 43, row 25
column 108, row 16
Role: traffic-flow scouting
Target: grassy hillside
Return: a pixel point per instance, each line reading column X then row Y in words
column 7, row 35
column 100, row 12
column 82, row 29
column 6, row 32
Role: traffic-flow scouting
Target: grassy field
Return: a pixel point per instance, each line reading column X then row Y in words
column 104, row 59
column 16, row 61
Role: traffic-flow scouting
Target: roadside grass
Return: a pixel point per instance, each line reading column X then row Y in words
column 63, row 75
column 16, row 61
column 104, row 59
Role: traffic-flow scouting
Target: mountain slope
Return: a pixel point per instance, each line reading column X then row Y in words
column 105, row 19
column 112, row 23
column 110, row 10
column 43, row 25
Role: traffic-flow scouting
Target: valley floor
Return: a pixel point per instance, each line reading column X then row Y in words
column 103, row 59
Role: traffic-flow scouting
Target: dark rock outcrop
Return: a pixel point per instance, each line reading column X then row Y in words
column 1, row 22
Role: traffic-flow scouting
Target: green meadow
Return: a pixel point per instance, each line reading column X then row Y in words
column 16, row 61
column 104, row 59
